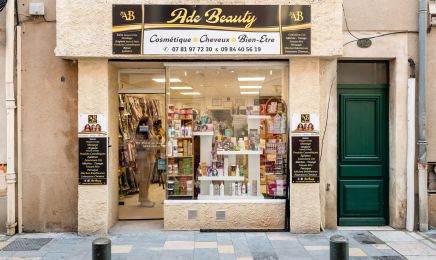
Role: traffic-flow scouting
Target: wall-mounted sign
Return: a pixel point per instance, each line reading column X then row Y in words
column 305, row 148
column 95, row 124
column 305, row 125
column 305, row 159
column 211, row 29
column 92, row 160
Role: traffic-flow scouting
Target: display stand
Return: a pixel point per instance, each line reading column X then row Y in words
column 206, row 139
column 180, row 167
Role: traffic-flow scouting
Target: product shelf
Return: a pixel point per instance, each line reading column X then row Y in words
column 202, row 133
column 244, row 152
column 229, row 197
column 221, row 178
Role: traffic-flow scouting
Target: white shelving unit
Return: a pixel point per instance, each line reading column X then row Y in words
column 206, row 139
column 221, row 178
column 227, row 197
column 244, row 152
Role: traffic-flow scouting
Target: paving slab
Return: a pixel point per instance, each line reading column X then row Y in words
column 166, row 245
column 393, row 236
column 412, row 249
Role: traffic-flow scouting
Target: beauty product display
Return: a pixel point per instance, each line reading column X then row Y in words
column 227, row 154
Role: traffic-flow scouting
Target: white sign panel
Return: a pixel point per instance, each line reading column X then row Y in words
column 210, row 42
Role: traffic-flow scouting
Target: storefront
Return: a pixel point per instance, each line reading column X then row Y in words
column 219, row 144
column 199, row 106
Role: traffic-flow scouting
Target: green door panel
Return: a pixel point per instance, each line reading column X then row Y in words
column 362, row 154
column 361, row 170
column 361, row 198
column 360, row 127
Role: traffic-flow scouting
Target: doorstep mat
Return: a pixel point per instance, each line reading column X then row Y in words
column 26, row 244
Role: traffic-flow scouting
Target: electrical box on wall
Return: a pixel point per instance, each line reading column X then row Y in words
column 36, row 9
column 431, row 168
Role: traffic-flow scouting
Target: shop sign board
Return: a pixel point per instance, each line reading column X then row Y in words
column 211, row 29
column 92, row 160
column 305, row 148
column 93, row 149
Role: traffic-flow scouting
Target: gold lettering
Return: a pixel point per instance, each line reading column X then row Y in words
column 297, row 16
column 128, row 16
column 214, row 15
column 181, row 16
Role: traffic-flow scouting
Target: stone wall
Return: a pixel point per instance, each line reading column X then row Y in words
column 268, row 214
column 49, row 123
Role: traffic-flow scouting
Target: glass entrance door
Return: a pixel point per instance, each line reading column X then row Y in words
column 141, row 145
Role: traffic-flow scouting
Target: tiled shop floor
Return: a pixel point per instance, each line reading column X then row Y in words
column 157, row 244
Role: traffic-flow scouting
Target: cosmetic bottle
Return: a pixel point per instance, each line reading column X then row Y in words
column 211, row 189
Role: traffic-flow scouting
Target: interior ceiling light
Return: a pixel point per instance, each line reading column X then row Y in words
column 251, row 78
column 190, row 93
column 162, row 80
column 181, row 87
column 249, row 92
column 250, row 87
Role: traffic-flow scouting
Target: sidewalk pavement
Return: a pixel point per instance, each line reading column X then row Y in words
column 367, row 243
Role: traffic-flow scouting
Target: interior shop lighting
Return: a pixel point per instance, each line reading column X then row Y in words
column 190, row 93
column 251, row 78
column 250, row 87
column 162, row 80
column 249, row 92
column 181, row 88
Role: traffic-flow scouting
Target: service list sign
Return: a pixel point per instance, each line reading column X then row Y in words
column 92, row 160
column 305, row 148
column 305, row 159
column 211, row 29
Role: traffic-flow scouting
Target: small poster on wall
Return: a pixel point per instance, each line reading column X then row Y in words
column 305, row 125
column 305, row 148
column 92, row 124
column 92, row 160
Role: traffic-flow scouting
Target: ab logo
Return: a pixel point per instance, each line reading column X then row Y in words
column 128, row 16
column 296, row 16
column 305, row 118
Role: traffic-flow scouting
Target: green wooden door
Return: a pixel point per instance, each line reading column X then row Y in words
column 363, row 155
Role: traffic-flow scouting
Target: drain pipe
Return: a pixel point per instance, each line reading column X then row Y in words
column 10, row 116
column 410, row 161
column 422, row 117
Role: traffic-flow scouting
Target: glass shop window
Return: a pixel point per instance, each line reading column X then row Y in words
column 226, row 132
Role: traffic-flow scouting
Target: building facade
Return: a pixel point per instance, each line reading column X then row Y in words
column 82, row 59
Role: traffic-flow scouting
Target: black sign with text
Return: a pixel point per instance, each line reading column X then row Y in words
column 127, row 29
column 92, row 160
column 295, row 29
column 305, row 159
column 211, row 29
